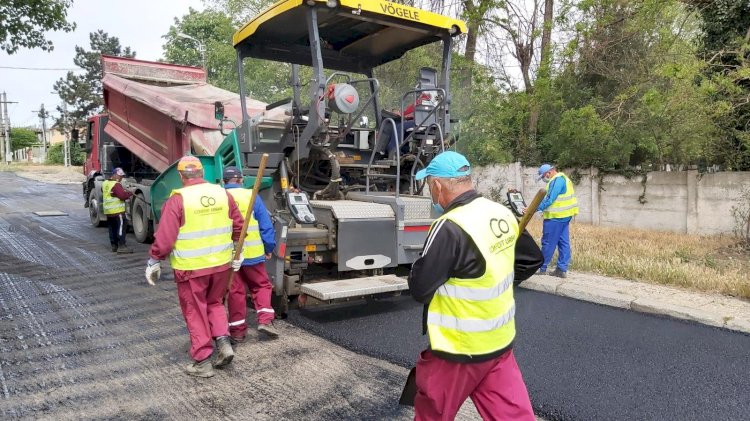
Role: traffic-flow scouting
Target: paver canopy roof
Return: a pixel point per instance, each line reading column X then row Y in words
column 355, row 35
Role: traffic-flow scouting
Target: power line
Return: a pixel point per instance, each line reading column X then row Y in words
column 58, row 69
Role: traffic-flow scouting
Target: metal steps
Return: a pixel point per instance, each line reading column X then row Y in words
column 355, row 287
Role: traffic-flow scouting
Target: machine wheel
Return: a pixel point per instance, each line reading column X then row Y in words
column 141, row 224
column 94, row 216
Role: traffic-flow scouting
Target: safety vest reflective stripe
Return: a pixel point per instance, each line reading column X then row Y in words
column 561, row 208
column 111, row 204
column 203, row 233
column 253, row 246
column 471, row 325
column 566, row 204
column 476, row 294
column 186, row 254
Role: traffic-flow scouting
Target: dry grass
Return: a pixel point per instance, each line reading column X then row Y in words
column 701, row 263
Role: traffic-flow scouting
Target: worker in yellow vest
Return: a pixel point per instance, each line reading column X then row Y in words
column 558, row 208
column 198, row 226
column 113, row 203
column 252, row 276
column 465, row 275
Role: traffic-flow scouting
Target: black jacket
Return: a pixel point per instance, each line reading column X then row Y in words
column 450, row 252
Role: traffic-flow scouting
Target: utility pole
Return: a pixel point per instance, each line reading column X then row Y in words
column 43, row 114
column 6, row 126
column 66, row 144
column 2, row 125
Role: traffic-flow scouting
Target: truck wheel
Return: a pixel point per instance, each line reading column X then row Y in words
column 141, row 223
column 94, row 215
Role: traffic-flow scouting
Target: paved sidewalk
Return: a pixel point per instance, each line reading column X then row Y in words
column 710, row 309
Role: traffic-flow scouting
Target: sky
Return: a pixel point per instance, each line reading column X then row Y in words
column 138, row 24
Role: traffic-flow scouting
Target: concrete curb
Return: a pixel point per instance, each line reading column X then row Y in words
column 709, row 309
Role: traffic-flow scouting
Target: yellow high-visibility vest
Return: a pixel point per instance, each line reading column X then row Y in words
column 205, row 240
column 565, row 204
column 477, row 316
column 253, row 247
column 110, row 203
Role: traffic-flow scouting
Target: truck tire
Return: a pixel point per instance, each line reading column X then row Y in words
column 94, row 215
column 141, row 223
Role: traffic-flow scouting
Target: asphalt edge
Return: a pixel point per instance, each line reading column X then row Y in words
column 590, row 292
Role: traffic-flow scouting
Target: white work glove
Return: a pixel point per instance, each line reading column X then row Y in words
column 236, row 264
column 153, row 271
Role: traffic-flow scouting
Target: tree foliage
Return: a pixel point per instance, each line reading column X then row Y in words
column 55, row 154
column 725, row 48
column 83, row 92
column 21, row 138
column 264, row 81
column 23, row 23
column 614, row 84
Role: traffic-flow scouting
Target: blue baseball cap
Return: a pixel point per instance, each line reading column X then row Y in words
column 232, row 172
column 448, row 164
column 543, row 170
column 118, row 171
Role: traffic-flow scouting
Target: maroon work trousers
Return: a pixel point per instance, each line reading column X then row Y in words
column 255, row 279
column 201, row 300
column 495, row 386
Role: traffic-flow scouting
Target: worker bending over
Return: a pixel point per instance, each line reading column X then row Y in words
column 198, row 225
column 465, row 275
column 259, row 244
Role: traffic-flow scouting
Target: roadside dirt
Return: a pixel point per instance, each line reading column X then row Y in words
column 54, row 174
column 82, row 336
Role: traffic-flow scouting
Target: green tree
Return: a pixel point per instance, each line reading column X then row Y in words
column 83, row 92
column 21, row 138
column 725, row 47
column 265, row 81
column 23, row 23
column 585, row 139
column 55, row 154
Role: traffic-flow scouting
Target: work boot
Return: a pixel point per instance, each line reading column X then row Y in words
column 559, row 273
column 200, row 368
column 234, row 340
column 542, row 272
column 124, row 250
column 225, row 353
column 114, row 248
column 269, row 330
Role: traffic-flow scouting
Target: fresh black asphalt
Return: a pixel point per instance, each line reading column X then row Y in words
column 581, row 361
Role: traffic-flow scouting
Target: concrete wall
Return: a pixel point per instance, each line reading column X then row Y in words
column 679, row 201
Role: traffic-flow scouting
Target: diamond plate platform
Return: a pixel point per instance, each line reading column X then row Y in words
column 352, row 209
column 417, row 207
column 355, row 287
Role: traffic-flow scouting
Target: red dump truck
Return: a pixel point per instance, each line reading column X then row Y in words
column 154, row 114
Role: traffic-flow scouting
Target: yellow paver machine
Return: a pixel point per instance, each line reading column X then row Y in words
column 348, row 213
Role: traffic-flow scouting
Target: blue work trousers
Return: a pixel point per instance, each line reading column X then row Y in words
column 555, row 234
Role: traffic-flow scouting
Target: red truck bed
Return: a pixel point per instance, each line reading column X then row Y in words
column 162, row 111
